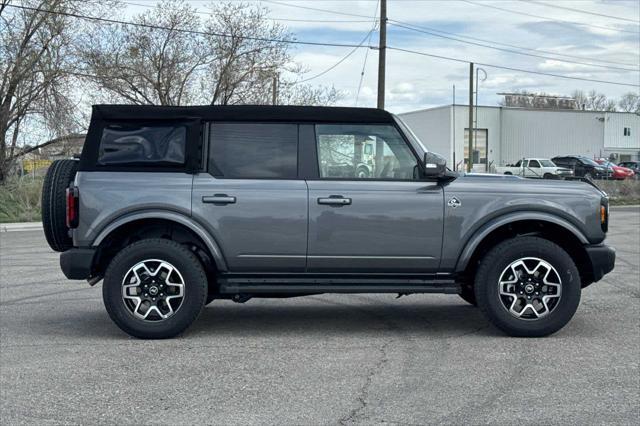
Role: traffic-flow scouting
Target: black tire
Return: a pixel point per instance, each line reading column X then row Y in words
column 195, row 288
column 499, row 258
column 508, row 173
column 54, row 203
column 468, row 295
column 549, row 176
column 362, row 172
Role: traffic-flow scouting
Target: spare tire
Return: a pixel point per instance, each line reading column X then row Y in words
column 54, row 203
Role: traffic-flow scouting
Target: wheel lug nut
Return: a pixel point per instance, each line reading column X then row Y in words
column 145, row 286
column 154, row 299
column 537, row 293
column 146, row 295
column 528, row 297
column 521, row 292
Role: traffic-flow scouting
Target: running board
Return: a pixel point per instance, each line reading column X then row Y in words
column 336, row 284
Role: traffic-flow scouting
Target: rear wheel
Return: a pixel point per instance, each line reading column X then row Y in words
column 54, row 203
column 154, row 289
column 528, row 286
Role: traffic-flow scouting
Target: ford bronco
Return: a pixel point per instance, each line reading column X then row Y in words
column 174, row 207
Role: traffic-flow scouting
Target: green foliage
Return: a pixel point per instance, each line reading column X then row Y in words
column 20, row 200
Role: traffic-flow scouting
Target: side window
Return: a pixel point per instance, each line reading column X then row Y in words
column 253, row 150
column 139, row 144
column 534, row 163
column 518, row 164
column 363, row 152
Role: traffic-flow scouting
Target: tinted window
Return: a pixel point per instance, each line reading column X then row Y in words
column 254, row 150
column 123, row 144
column 534, row 163
column 363, row 152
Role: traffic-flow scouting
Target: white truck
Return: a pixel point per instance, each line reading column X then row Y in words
column 541, row 168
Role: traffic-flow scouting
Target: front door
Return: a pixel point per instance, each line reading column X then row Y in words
column 368, row 211
column 250, row 198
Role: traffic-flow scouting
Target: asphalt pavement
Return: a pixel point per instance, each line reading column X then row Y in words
column 328, row 359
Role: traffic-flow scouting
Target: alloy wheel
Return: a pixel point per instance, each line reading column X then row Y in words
column 153, row 290
column 530, row 288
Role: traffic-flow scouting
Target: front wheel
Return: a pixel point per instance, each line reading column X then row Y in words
column 528, row 287
column 154, row 289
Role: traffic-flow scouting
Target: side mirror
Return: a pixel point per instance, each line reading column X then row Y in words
column 435, row 165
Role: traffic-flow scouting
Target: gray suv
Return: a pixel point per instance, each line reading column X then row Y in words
column 174, row 207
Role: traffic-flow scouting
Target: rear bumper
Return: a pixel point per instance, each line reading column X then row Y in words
column 76, row 263
column 603, row 259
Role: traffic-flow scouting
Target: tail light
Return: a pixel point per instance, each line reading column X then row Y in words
column 72, row 207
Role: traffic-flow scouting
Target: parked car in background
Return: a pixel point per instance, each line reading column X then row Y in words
column 583, row 166
column 617, row 172
column 541, row 168
column 633, row 165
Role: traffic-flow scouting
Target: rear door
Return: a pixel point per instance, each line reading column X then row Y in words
column 381, row 220
column 250, row 197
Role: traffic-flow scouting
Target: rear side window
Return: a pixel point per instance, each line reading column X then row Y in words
column 140, row 144
column 254, row 150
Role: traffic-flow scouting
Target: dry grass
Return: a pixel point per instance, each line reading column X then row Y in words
column 621, row 192
column 20, row 200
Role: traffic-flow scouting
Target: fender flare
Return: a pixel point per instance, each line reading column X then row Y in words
column 479, row 235
column 181, row 219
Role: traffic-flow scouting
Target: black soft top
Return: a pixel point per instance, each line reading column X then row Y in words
column 243, row 113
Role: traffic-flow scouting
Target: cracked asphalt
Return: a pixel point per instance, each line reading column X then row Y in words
column 329, row 359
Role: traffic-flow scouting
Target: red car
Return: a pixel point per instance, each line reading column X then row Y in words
column 618, row 172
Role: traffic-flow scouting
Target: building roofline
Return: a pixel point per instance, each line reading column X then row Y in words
column 518, row 109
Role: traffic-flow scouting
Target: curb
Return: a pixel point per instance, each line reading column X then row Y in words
column 625, row 207
column 24, row 226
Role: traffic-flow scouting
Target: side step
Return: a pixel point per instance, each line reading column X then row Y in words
column 284, row 284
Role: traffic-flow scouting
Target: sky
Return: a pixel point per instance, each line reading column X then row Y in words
column 576, row 29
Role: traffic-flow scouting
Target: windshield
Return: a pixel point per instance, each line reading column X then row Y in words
column 588, row 161
column 409, row 133
column 547, row 163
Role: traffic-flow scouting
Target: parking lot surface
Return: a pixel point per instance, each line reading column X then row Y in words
column 325, row 359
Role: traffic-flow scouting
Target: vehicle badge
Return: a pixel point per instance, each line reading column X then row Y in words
column 454, row 202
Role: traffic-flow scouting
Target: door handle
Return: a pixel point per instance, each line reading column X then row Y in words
column 218, row 199
column 335, row 200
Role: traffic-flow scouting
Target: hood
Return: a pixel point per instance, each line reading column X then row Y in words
column 510, row 183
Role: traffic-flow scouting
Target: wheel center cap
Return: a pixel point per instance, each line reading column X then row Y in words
column 529, row 288
column 153, row 290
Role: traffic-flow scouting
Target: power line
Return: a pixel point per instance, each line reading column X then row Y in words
column 179, row 30
column 327, row 21
column 364, row 65
column 422, row 27
column 366, row 53
column 512, row 51
column 512, row 68
column 114, row 21
column 584, row 11
column 344, row 58
column 549, row 19
column 318, row 9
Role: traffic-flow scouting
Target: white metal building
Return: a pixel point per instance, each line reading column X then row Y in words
column 505, row 135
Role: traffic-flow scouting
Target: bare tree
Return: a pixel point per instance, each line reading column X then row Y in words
column 630, row 102
column 593, row 101
column 34, row 64
column 147, row 65
column 231, row 55
column 250, row 54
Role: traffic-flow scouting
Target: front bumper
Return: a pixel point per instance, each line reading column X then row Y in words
column 76, row 263
column 603, row 259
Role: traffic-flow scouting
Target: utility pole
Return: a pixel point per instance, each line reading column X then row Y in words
column 470, row 160
column 274, row 90
column 382, row 52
